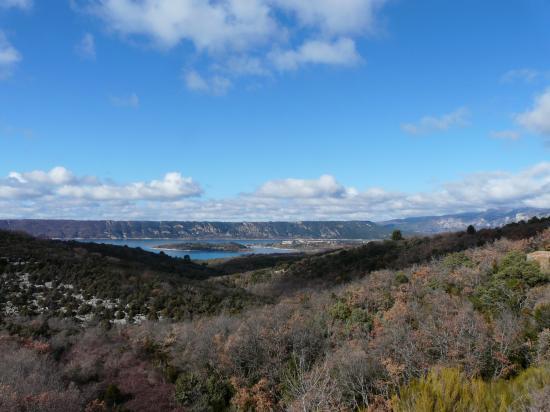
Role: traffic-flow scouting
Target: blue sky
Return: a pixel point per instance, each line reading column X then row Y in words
column 272, row 109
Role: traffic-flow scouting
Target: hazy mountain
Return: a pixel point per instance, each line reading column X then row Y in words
column 455, row 222
column 109, row 229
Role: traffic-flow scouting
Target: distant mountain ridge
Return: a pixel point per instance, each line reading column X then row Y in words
column 460, row 221
column 108, row 229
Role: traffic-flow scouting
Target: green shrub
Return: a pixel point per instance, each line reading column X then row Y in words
column 448, row 389
column 457, row 260
column 514, row 266
column 260, row 276
column 170, row 373
column 542, row 315
column 113, row 396
column 187, row 388
column 498, row 295
column 396, row 235
column 401, row 278
column 351, row 316
column 208, row 392
column 508, row 284
column 340, row 311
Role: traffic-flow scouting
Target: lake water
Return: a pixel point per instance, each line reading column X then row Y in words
column 258, row 246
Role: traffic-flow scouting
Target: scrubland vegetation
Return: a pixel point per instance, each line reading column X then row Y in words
column 455, row 322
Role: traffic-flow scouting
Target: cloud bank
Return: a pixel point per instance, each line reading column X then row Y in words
column 59, row 193
column 60, row 185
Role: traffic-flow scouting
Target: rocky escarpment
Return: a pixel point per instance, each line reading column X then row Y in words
column 108, row 229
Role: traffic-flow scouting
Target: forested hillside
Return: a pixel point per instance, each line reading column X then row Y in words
column 454, row 322
column 105, row 281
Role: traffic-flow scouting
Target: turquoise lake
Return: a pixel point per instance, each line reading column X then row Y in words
column 258, row 247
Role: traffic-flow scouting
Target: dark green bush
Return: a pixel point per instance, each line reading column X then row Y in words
column 204, row 392
column 514, row 266
column 113, row 396
column 507, row 286
column 401, row 278
column 340, row 311
column 456, row 260
column 542, row 315
column 396, row 235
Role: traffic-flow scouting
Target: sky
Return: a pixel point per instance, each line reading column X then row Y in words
column 272, row 109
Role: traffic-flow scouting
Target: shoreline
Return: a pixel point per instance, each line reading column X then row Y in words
column 216, row 239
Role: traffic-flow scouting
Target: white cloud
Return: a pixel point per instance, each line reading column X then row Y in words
column 340, row 52
column 9, row 57
column 60, row 185
column 432, row 124
column 213, row 26
column 501, row 188
column 21, row 4
column 216, row 85
column 537, row 119
column 243, row 66
column 335, row 16
column 56, row 176
column 506, row 134
column 524, row 75
column 234, row 24
column 59, row 193
column 131, row 101
column 324, row 187
column 173, row 186
column 236, row 38
column 86, row 47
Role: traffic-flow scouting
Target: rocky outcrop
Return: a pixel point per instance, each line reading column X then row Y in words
column 108, row 229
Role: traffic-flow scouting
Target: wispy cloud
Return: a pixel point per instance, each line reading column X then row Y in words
column 524, row 75
column 85, row 48
column 9, row 57
column 341, row 52
column 537, row 118
column 131, row 101
column 216, row 85
column 9, row 131
column 432, row 124
column 20, row 4
column 506, row 134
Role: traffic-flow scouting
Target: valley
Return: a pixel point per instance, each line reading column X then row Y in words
column 114, row 327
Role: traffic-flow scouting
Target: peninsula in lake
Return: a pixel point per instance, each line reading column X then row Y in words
column 205, row 246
